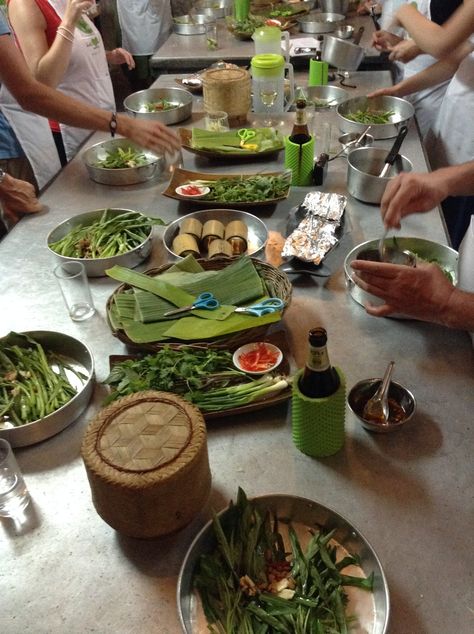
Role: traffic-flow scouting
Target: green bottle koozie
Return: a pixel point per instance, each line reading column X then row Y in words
column 318, row 423
column 318, row 73
column 300, row 159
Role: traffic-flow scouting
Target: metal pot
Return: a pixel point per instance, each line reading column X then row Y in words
column 320, row 22
column 342, row 54
column 136, row 104
column 402, row 109
column 191, row 24
column 334, row 6
column 363, row 168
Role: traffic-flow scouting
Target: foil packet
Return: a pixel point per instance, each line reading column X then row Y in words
column 316, row 234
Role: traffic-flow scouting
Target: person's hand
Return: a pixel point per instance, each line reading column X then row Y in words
column 410, row 193
column 120, row 56
column 365, row 6
column 151, row 135
column 404, row 51
column 19, row 196
column 383, row 40
column 422, row 292
column 74, row 11
column 392, row 91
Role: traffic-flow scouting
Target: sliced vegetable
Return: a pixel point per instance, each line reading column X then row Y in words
column 123, row 157
column 260, row 359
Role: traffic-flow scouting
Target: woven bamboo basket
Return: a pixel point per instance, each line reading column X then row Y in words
column 227, row 89
column 147, row 463
column 277, row 285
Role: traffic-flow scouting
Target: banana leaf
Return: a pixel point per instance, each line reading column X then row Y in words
column 264, row 139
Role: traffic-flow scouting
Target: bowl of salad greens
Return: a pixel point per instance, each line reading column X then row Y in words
column 281, row 563
column 122, row 162
column 167, row 105
column 385, row 114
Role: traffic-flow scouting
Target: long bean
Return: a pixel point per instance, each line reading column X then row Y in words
column 370, row 116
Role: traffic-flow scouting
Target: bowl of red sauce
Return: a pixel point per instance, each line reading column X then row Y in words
column 257, row 358
column 192, row 191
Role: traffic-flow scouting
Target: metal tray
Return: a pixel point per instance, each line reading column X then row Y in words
column 80, row 357
column 310, row 514
column 96, row 267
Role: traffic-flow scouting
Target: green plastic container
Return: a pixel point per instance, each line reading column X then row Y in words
column 300, row 159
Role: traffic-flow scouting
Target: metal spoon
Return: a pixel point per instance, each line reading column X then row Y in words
column 376, row 409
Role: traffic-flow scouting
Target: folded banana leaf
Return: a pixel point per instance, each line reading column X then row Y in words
column 265, row 139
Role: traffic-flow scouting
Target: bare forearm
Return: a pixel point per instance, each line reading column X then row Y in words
column 459, row 313
column 457, row 180
column 435, row 74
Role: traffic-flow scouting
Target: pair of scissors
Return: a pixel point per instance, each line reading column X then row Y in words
column 246, row 135
column 205, row 301
column 270, row 305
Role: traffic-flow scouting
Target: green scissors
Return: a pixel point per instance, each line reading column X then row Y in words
column 246, row 135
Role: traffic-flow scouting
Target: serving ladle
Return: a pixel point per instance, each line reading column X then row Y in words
column 377, row 409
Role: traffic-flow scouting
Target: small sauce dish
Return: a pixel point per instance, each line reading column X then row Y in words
column 257, row 358
column 401, row 402
column 192, row 191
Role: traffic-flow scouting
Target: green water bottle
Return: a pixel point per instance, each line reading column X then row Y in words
column 318, row 70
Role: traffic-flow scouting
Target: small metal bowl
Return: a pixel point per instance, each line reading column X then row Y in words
column 320, row 22
column 363, row 390
column 326, row 96
column 97, row 267
column 136, row 104
column 257, row 231
column 80, row 358
column 344, row 32
column 191, row 25
column 126, row 175
column 346, row 141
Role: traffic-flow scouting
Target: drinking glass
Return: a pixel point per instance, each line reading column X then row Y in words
column 268, row 92
column 217, row 121
column 211, row 36
column 14, row 496
column 72, row 280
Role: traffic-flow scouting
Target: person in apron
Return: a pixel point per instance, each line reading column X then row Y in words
column 145, row 26
column 423, row 292
column 73, row 60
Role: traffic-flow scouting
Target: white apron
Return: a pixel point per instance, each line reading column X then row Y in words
column 87, row 78
column 466, row 262
column 145, row 24
column 451, row 140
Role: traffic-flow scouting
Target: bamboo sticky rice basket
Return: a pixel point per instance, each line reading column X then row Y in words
column 277, row 285
column 147, row 463
column 228, row 90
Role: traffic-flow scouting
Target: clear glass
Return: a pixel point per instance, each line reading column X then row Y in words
column 211, row 36
column 268, row 92
column 72, row 280
column 14, row 496
column 217, row 121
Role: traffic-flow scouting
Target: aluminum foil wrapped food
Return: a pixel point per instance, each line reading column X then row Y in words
column 317, row 232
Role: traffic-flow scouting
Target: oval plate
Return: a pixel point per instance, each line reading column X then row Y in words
column 310, row 514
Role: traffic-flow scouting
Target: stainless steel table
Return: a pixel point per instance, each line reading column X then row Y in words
column 410, row 493
column 191, row 53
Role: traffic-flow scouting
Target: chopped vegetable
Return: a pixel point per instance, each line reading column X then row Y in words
column 249, row 583
column 368, row 116
column 111, row 235
column 123, row 157
column 191, row 190
column 159, row 106
column 260, row 359
column 33, row 381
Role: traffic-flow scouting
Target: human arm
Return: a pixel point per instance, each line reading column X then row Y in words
column 436, row 40
column 404, row 51
column 411, row 192
column 382, row 40
column 423, row 292
column 18, row 196
column 36, row 97
column 48, row 65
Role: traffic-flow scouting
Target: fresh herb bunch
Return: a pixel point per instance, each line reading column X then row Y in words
column 246, row 189
column 123, row 157
column 33, row 381
column 112, row 234
column 370, row 116
column 305, row 594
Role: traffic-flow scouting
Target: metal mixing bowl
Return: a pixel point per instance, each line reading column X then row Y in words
column 363, row 168
column 191, row 25
column 363, row 390
column 125, row 175
column 345, row 32
column 212, row 8
column 445, row 256
column 334, row 6
column 257, row 231
column 79, row 357
column 97, row 267
column 403, row 112
column 333, row 95
column 182, row 99
column 320, row 22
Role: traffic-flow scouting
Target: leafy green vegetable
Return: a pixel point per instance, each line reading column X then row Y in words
column 123, row 157
column 33, row 381
column 255, row 188
column 251, row 584
column 368, row 116
column 112, row 234
column 159, row 106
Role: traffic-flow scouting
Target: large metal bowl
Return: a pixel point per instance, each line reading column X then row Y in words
column 80, row 357
column 306, row 513
column 333, row 95
column 320, row 22
column 402, row 108
column 363, row 168
column 342, row 54
column 191, row 25
column 135, row 104
column 121, row 176
column 257, row 231
column 211, row 8
column 445, row 256
column 96, row 267
column 334, row 6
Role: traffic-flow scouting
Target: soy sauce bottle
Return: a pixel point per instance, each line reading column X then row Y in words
column 318, row 70
column 319, row 378
column 300, row 131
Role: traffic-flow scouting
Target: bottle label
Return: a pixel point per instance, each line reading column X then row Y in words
column 318, row 359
